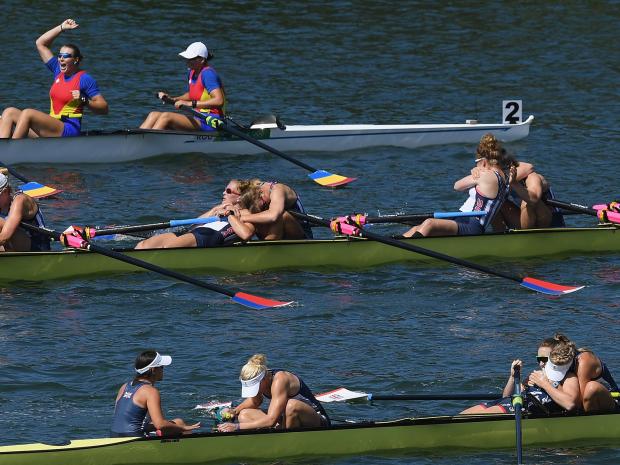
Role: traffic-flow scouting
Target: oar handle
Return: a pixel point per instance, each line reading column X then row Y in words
column 420, row 216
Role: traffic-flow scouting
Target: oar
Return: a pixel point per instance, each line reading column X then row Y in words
column 322, row 177
column 531, row 283
column 601, row 213
column 75, row 241
column 405, row 217
column 32, row 188
column 343, row 394
column 517, row 402
column 90, row 232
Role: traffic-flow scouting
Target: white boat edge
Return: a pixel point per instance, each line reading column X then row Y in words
column 135, row 144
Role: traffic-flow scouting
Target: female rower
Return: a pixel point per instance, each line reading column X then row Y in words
column 292, row 404
column 229, row 229
column 71, row 91
column 490, row 180
column 205, row 94
column 138, row 403
column 553, row 388
column 526, row 207
column 19, row 207
column 275, row 222
column 595, row 382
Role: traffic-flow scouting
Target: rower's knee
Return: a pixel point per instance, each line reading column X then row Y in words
column 10, row 113
column 244, row 416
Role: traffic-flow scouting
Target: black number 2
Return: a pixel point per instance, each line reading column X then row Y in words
column 510, row 117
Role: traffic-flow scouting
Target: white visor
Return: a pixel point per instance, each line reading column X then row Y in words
column 249, row 387
column 556, row 372
column 158, row 361
column 4, row 181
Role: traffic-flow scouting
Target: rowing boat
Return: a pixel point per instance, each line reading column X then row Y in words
column 134, row 144
column 338, row 253
column 443, row 434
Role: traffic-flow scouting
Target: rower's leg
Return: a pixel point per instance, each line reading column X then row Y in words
column 299, row 414
column 150, row 120
column 596, row 398
column 177, row 122
column 167, row 240
column 478, row 409
column 292, row 228
column 19, row 241
column 9, row 119
column 434, row 227
column 41, row 123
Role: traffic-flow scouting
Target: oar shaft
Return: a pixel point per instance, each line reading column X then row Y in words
column 223, row 126
column 471, row 396
column 571, row 206
column 15, row 173
column 414, row 248
column 517, row 401
column 154, row 226
column 419, row 217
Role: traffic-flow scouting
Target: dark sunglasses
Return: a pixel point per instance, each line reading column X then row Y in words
column 230, row 191
column 65, row 55
column 542, row 359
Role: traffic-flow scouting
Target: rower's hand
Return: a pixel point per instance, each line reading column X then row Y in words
column 538, row 378
column 69, row 24
column 188, row 428
column 475, row 173
column 163, row 95
column 227, row 427
column 178, row 103
column 514, row 364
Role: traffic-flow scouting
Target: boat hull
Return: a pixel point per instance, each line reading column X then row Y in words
column 432, row 434
column 334, row 253
column 128, row 145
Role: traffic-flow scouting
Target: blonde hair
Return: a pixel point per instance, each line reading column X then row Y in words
column 491, row 150
column 251, row 199
column 256, row 365
column 248, row 184
column 563, row 351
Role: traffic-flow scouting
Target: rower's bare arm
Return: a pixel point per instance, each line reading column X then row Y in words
column 465, row 183
column 244, row 230
column 524, row 170
column 44, row 42
column 216, row 100
column 566, row 396
column 11, row 223
column 98, row 105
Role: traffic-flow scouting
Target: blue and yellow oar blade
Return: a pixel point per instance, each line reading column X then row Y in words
column 546, row 287
column 256, row 302
column 325, row 178
column 38, row 191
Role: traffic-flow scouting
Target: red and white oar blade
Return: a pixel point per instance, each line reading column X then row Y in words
column 256, row 302
column 546, row 287
column 38, row 191
column 341, row 395
column 325, row 178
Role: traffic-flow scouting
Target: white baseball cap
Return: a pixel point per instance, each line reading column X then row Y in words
column 556, row 372
column 4, row 181
column 250, row 387
column 158, row 361
column 196, row 49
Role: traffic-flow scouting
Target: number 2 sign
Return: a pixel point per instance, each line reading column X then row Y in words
column 512, row 111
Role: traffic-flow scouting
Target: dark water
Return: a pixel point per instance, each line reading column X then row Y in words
column 65, row 347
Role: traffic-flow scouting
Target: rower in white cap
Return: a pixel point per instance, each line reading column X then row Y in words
column 205, row 94
column 292, row 404
column 138, row 404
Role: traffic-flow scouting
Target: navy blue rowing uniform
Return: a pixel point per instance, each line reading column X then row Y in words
column 305, row 395
column 129, row 418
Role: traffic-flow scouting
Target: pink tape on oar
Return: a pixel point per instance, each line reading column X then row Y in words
column 256, row 302
column 613, row 206
column 546, row 287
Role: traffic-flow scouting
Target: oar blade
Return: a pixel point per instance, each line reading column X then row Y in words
column 38, row 191
column 325, row 178
column 546, row 287
column 256, row 302
column 341, row 395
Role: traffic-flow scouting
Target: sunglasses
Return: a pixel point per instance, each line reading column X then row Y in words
column 478, row 159
column 228, row 190
column 542, row 359
column 65, row 55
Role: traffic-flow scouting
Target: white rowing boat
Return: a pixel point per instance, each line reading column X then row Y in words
column 134, row 144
